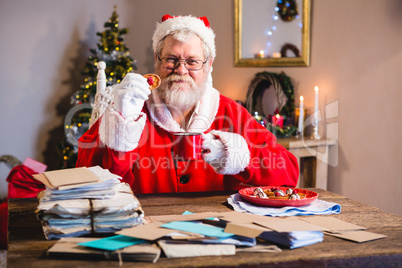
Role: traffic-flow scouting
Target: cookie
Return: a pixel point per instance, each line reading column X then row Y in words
column 153, row 80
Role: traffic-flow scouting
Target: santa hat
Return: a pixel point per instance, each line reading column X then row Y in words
column 199, row 26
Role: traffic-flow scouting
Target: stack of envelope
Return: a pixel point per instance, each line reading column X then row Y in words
column 210, row 234
column 82, row 201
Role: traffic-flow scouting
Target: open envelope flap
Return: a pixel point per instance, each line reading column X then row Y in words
column 245, row 229
column 332, row 224
column 70, row 176
column 357, row 236
column 289, row 225
column 241, row 217
column 42, row 178
column 150, row 231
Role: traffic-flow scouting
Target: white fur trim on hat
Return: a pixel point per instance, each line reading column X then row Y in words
column 118, row 133
column 186, row 22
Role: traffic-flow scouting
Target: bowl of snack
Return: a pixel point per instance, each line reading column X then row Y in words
column 275, row 196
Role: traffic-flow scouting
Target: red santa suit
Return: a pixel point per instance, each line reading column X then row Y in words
column 140, row 150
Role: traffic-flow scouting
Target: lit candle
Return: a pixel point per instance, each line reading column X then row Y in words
column 316, row 103
column 301, row 116
column 277, row 120
column 276, row 55
column 261, row 54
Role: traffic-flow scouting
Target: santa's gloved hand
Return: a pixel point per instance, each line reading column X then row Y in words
column 214, row 151
column 130, row 95
column 226, row 152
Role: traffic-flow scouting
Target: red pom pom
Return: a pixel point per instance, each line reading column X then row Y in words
column 165, row 17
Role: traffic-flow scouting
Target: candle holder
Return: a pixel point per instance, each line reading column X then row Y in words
column 315, row 134
column 298, row 121
column 299, row 134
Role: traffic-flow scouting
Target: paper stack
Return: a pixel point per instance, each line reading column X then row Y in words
column 210, row 234
column 295, row 239
column 82, row 201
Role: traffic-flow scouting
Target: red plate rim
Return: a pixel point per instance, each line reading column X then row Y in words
column 246, row 194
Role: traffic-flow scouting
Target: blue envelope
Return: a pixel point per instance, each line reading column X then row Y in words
column 113, row 242
column 203, row 229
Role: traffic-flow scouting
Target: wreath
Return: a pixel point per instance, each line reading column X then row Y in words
column 287, row 9
column 291, row 47
column 285, row 96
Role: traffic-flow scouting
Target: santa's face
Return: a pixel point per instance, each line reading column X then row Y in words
column 180, row 87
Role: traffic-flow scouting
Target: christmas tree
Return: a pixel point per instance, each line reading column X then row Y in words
column 115, row 54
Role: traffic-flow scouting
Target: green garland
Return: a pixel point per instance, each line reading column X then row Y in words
column 280, row 82
column 288, row 89
column 282, row 132
column 287, row 9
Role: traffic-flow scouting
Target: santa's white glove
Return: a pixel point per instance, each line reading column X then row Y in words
column 226, row 152
column 214, row 152
column 130, row 95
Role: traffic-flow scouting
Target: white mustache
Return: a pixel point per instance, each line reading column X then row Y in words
column 179, row 78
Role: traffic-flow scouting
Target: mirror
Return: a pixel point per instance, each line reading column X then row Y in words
column 272, row 33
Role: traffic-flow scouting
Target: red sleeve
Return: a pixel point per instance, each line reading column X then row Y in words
column 92, row 152
column 270, row 162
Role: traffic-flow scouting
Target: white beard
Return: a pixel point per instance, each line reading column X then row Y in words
column 175, row 97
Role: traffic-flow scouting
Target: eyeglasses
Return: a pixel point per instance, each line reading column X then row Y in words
column 172, row 63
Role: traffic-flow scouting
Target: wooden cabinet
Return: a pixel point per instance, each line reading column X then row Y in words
column 312, row 157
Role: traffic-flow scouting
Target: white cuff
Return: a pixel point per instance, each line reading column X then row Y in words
column 237, row 153
column 118, row 133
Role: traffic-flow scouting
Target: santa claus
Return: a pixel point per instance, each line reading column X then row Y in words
column 134, row 137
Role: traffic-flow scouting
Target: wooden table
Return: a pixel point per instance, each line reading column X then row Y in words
column 312, row 173
column 27, row 245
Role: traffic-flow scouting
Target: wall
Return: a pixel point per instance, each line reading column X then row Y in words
column 356, row 60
